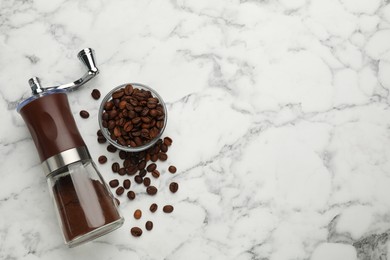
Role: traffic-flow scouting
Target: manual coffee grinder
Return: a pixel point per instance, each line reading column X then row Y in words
column 85, row 207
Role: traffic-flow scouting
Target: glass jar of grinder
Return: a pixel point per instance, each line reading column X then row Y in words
column 85, row 207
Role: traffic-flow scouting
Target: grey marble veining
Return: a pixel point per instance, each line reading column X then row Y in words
column 279, row 112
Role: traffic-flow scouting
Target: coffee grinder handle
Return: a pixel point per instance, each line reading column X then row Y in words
column 87, row 57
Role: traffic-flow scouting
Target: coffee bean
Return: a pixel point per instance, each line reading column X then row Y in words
column 102, row 159
column 153, row 113
column 151, row 190
column 128, row 126
column 126, row 184
column 164, row 148
column 109, row 105
column 95, row 94
column 147, row 181
column 162, row 156
column 122, row 104
column 142, row 173
column 153, row 207
column 136, row 231
column 117, row 132
column 172, row 169
column 84, row 114
column 111, row 148
column 114, row 183
column 154, row 158
column 117, row 202
column 132, row 170
column 122, row 155
column 131, row 195
column 99, row 132
column 128, row 90
column 156, row 174
column 142, row 165
column 127, row 163
column 151, row 167
column 101, row 139
column 115, row 167
column 119, row 191
column 167, row 141
column 137, row 214
column 138, row 179
column 118, row 94
column 160, row 124
column 138, row 140
column 149, row 225
column 111, row 126
column 173, row 187
column 122, row 171
column 168, row 208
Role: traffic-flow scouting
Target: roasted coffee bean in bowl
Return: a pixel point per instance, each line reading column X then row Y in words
column 132, row 117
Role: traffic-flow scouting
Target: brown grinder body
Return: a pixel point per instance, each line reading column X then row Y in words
column 51, row 125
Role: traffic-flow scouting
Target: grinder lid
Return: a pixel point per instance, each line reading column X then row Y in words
column 36, row 96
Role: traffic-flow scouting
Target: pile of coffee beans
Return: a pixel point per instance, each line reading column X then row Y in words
column 133, row 116
column 138, row 166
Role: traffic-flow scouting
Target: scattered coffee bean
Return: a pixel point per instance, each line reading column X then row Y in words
column 156, row 174
column 153, row 207
column 132, row 170
column 119, row 191
column 164, row 148
column 151, row 167
column 122, row 171
column 168, row 208
column 114, row 183
column 142, row 165
column 136, row 231
column 111, row 148
column 137, row 214
column 138, row 179
column 154, row 158
column 101, row 139
column 151, row 190
column 102, row 159
column 99, row 132
column 162, row 156
column 149, row 225
column 115, row 167
column 126, row 184
column 167, row 141
column 122, row 155
column 84, row 114
column 142, row 173
column 173, row 187
column 126, row 163
column 117, row 202
column 95, row 94
column 147, row 181
column 131, row 195
column 172, row 169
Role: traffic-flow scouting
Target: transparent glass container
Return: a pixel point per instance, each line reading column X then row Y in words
column 105, row 131
column 86, row 209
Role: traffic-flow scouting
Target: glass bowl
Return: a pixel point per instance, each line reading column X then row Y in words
column 106, row 132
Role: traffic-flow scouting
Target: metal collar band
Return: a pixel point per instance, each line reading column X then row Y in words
column 65, row 158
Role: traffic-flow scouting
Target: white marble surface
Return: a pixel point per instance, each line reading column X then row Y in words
column 279, row 111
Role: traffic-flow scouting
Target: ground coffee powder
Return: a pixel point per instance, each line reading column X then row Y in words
column 84, row 205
